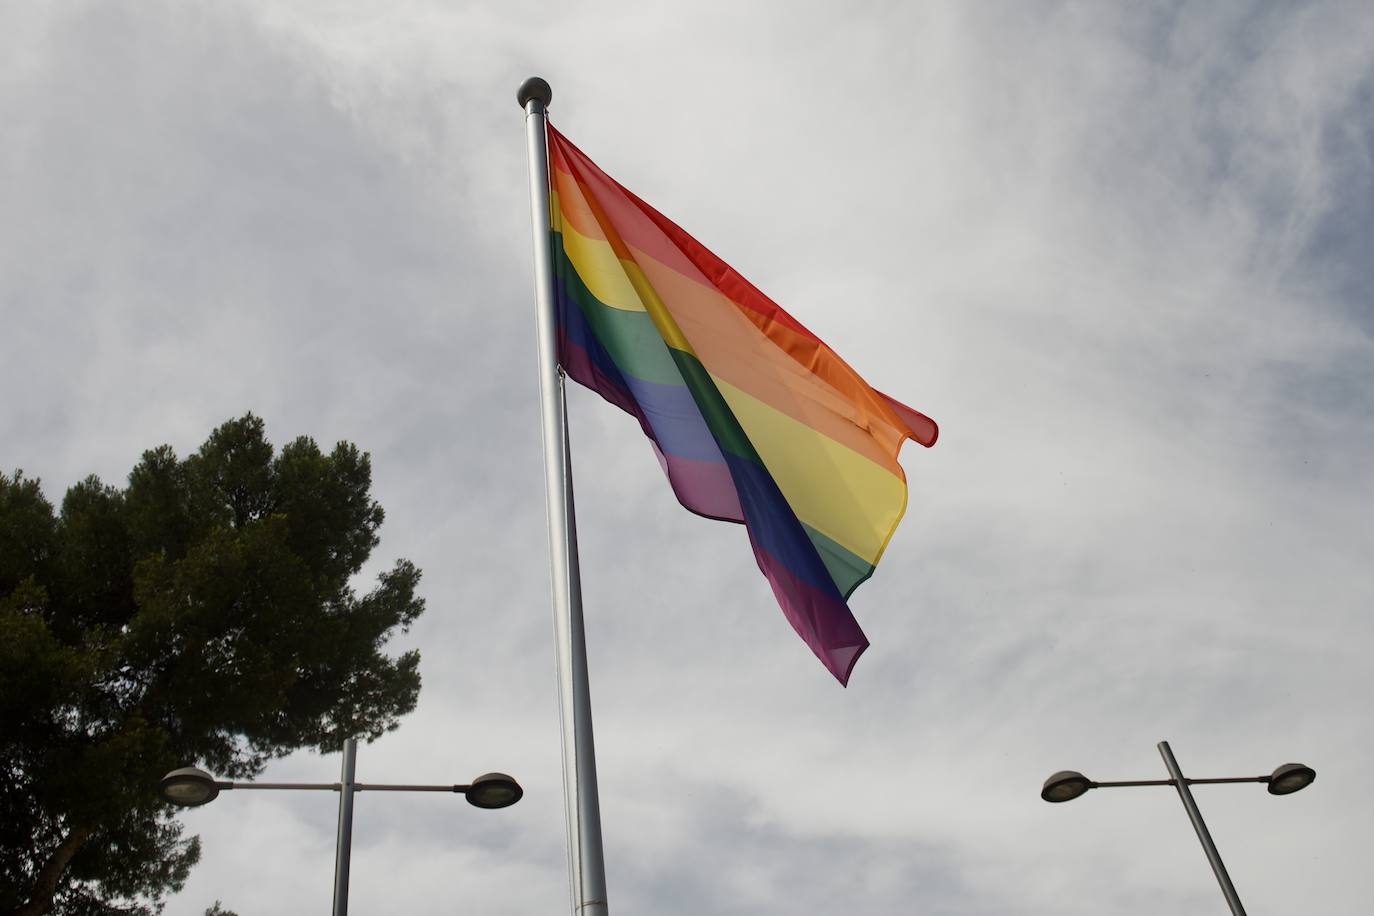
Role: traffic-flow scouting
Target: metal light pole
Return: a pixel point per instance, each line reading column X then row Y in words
column 343, row 842
column 190, row 787
column 1066, row 785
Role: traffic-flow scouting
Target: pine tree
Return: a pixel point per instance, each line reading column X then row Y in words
column 202, row 614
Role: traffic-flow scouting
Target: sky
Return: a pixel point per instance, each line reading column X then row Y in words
column 1118, row 251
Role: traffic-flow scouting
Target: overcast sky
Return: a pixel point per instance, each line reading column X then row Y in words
column 1119, row 251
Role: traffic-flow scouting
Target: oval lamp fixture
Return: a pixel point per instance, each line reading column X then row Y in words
column 1290, row 778
column 494, row 790
column 189, row 787
column 1066, row 785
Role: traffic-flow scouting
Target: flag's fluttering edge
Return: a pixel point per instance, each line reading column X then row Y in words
column 753, row 418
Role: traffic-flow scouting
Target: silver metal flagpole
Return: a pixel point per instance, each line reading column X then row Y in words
column 586, row 862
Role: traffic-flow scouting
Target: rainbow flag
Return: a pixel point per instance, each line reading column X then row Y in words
column 753, row 418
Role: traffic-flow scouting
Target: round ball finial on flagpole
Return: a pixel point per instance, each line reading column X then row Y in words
column 534, row 88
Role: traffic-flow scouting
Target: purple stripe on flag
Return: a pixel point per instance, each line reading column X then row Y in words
column 822, row 620
column 704, row 487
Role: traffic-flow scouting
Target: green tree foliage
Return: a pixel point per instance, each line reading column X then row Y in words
column 202, row 614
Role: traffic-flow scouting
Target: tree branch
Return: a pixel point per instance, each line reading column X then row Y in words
column 50, row 875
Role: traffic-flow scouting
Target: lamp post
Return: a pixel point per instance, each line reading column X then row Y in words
column 1066, row 785
column 190, row 787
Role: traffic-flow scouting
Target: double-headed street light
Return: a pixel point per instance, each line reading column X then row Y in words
column 1066, row 785
column 190, row 787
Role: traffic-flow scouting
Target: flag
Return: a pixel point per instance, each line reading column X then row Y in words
column 753, row 418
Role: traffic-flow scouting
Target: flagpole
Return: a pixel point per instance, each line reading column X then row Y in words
column 586, row 862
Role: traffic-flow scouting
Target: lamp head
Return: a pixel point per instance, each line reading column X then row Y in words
column 1066, row 785
column 494, row 790
column 189, row 787
column 1290, row 778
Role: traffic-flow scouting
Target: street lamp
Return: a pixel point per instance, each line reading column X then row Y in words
column 1066, row 785
column 191, row 787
